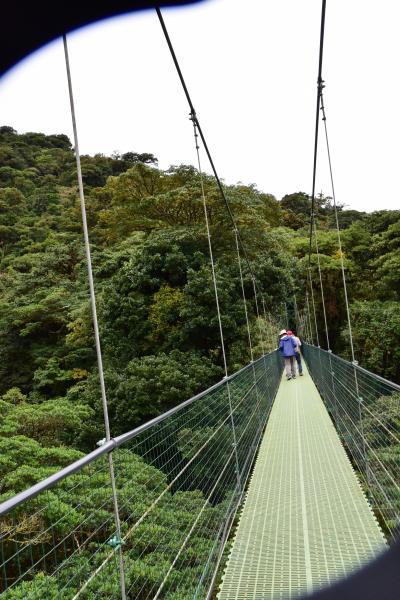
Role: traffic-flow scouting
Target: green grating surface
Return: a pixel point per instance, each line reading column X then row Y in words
column 305, row 520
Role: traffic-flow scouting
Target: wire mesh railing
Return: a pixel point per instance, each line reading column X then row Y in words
column 366, row 411
column 178, row 490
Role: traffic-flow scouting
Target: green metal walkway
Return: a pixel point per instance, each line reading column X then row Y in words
column 305, row 520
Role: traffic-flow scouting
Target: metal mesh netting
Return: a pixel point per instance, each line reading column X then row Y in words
column 178, row 490
column 366, row 412
column 305, row 522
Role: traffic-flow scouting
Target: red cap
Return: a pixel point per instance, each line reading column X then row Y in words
column 289, row 332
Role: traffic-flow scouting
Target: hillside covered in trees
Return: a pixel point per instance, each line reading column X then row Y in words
column 155, row 299
column 156, row 305
column 152, row 273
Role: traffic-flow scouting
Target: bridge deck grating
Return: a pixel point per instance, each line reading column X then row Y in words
column 305, row 521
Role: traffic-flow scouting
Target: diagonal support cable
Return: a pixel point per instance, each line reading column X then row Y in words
column 214, row 279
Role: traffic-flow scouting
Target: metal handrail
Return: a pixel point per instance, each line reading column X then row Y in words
column 359, row 368
column 106, row 447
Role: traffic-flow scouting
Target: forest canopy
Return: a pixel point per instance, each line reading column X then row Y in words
column 153, row 284
column 158, row 323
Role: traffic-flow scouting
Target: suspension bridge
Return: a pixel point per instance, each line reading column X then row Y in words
column 317, row 504
column 255, row 488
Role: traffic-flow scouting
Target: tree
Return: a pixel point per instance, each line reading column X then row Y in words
column 55, row 422
column 375, row 326
column 298, row 203
column 132, row 158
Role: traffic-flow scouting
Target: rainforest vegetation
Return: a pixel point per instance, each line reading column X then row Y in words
column 155, row 299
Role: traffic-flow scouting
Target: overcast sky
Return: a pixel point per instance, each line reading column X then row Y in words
column 251, row 68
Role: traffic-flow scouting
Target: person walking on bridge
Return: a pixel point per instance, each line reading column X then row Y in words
column 298, row 353
column 287, row 348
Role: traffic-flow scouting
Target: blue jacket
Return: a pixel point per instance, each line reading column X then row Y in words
column 287, row 346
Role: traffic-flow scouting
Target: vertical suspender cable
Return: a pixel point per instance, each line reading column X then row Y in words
column 244, row 295
column 94, row 315
column 312, row 215
column 338, row 232
column 296, row 314
column 269, row 327
column 247, row 316
column 214, row 279
column 313, row 305
column 319, row 87
column 306, row 318
column 321, row 287
column 198, row 130
column 304, row 326
column 309, row 319
column 258, row 316
column 307, row 325
column 354, row 361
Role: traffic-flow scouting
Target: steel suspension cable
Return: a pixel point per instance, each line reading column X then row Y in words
column 201, row 134
column 296, row 314
column 94, row 316
column 214, row 279
column 319, row 87
column 309, row 318
column 258, row 316
column 243, row 295
column 305, row 326
column 338, row 230
column 268, row 325
column 313, row 305
column 354, row 361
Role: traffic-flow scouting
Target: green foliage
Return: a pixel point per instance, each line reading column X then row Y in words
column 54, row 422
column 14, row 396
column 375, row 331
column 381, row 424
column 146, row 387
column 159, row 331
column 24, row 462
column 82, row 504
column 34, row 589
